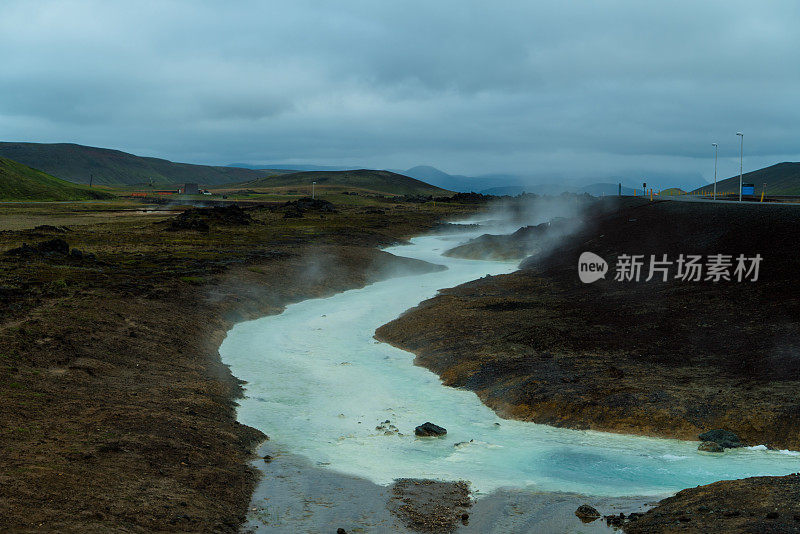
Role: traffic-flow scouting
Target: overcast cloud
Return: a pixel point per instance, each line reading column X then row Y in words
column 574, row 89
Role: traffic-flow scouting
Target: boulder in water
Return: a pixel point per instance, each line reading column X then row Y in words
column 725, row 438
column 429, row 430
column 587, row 513
column 710, row 446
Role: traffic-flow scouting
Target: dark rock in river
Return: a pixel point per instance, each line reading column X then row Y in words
column 429, row 430
column 710, row 446
column 725, row 438
column 587, row 513
column 615, row 520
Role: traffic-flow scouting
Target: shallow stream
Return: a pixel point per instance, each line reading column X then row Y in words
column 319, row 384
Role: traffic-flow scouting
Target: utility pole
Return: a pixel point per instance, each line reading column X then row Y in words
column 91, row 179
column 716, row 151
column 313, row 184
column 741, row 159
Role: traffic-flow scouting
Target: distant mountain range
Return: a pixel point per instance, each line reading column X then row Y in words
column 599, row 189
column 780, row 179
column 278, row 167
column 22, row 183
column 80, row 164
column 512, row 184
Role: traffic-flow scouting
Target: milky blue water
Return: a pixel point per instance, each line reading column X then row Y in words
column 319, row 384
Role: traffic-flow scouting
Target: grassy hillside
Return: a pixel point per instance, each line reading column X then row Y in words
column 673, row 191
column 76, row 163
column 384, row 182
column 20, row 182
column 781, row 179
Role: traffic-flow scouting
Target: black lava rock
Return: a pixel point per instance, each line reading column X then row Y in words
column 725, row 438
column 428, row 429
column 52, row 247
column 587, row 513
column 710, row 446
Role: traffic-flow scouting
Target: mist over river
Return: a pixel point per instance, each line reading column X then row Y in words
column 319, row 384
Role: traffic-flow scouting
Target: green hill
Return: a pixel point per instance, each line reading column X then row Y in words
column 672, row 191
column 781, row 179
column 76, row 163
column 383, row 182
column 20, row 182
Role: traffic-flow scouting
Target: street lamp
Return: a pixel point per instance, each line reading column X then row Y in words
column 716, row 150
column 312, row 190
column 741, row 157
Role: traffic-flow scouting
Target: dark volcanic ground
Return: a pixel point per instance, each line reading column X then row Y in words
column 658, row 358
column 116, row 414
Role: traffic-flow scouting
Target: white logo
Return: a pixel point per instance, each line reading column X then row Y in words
column 690, row 268
column 591, row 267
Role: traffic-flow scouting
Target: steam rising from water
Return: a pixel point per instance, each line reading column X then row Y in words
column 507, row 215
column 319, row 384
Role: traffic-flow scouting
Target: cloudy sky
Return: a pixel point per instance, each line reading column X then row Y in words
column 571, row 89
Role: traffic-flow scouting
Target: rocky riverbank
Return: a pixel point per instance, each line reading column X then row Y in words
column 674, row 358
column 299, row 496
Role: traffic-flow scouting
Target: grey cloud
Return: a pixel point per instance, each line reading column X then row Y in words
column 576, row 89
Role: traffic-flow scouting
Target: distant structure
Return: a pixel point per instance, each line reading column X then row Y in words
column 191, row 189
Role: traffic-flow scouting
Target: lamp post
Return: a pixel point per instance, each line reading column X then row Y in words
column 313, row 184
column 741, row 158
column 716, row 151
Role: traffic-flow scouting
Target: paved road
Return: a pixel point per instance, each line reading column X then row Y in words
column 691, row 198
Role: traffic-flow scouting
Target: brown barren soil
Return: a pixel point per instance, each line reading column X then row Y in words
column 430, row 505
column 757, row 505
column 116, row 412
